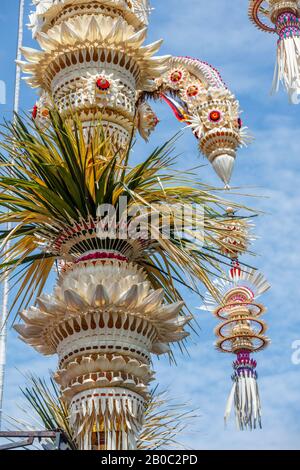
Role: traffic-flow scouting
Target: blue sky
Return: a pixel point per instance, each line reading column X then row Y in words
column 221, row 35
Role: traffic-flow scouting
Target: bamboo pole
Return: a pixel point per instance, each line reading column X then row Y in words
column 6, row 286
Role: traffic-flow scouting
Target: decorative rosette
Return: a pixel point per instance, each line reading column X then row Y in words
column 107, row 89
column 283, row 18
column 214, row 116
column 103, row 89
column 103, row 85
column 220, row 109
column 193, row 93
column 177, row 77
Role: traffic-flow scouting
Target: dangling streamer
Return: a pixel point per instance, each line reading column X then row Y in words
column 244, row 395
column 179, row 112
column 287, row 68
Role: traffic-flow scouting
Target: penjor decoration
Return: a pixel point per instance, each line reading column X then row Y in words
column 115, row 301
column 112, row 308
column 242, row 330
column 282, row 17
column 104, row 321
column 94, row 61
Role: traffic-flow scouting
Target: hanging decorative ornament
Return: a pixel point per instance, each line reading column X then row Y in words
column 82, row 42
column 34, row 111
column 282, row 17
column 215, row 116
column 222, row 133
column 146, row 120
column 233, row 235
column 242, row 333
column 69, row 69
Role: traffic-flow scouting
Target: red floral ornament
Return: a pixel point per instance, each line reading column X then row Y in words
column 192, row 91
column 103, row 84
column 176, row 76
column 215, row 116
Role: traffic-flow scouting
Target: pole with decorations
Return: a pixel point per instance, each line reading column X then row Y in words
column 106, row 315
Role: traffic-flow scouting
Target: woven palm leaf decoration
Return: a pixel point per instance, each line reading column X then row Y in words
column 78, row 207
column 165, row 421
column 242, row 329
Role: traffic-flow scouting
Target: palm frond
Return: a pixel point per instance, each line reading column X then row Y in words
column 52, row 412
column 165, row 421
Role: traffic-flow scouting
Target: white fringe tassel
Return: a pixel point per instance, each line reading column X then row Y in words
column 287, row 69
column 244, row 396
column 115, row 416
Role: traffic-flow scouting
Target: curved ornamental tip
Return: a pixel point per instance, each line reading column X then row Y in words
column 197, row 95
column 283, row 18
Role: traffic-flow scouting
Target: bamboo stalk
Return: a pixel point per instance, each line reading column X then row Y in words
column 6, row 286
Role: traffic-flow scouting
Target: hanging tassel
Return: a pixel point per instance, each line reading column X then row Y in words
column 287, row 68
column 244, row 395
